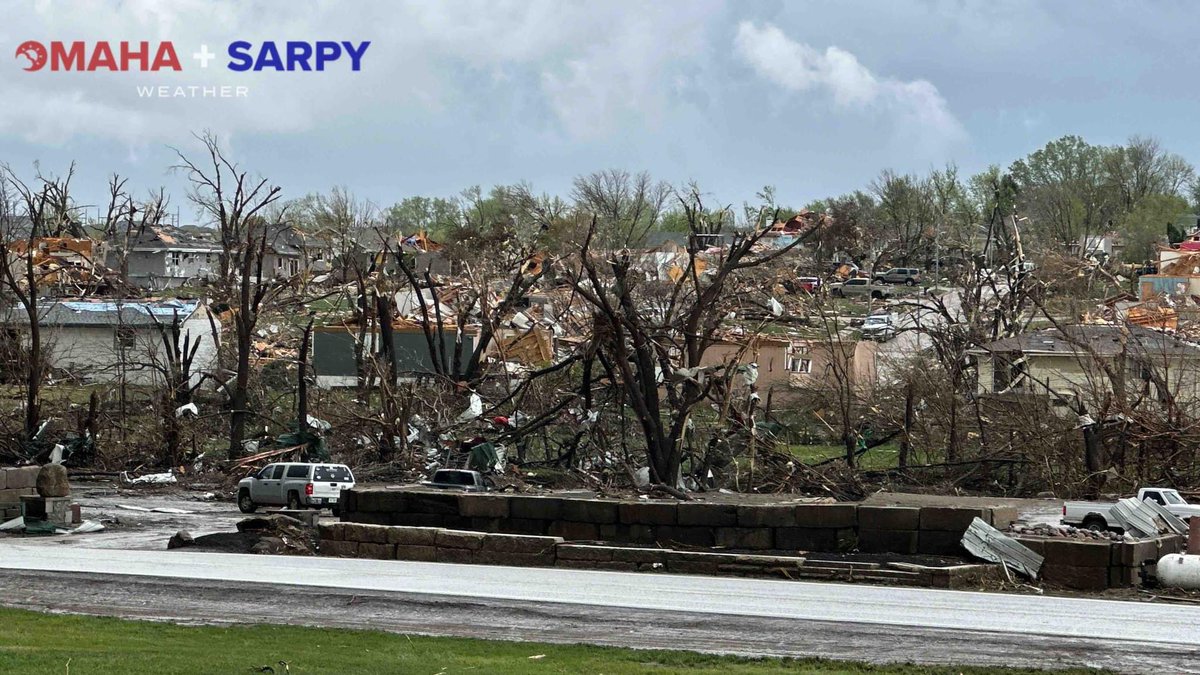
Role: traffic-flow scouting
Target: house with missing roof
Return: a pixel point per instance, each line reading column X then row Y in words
column 161, row 257
column 1089, row 361
column 165, row 257
column 114, row 340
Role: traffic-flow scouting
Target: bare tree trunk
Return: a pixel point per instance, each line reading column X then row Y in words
column 33, row 376
column 239, row 399
column 387, row 389
column 952, row 439
column 1092, row 460
column 234, row 201
column 906, row 444
column 302, row 378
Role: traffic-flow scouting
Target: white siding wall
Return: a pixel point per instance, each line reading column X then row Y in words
column 92, row 351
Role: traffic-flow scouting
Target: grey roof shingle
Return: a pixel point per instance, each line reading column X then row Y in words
column 1102, row 339
column 132, row 313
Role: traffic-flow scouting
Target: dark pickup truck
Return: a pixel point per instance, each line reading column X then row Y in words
column 457, row 479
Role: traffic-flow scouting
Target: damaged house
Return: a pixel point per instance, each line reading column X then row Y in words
column 1089, row 361
column 335, row 347
column 786, row 363
column 522, row 341
column 118, row 340
column 161, row 257
column 290, row 253
column 60, row 263
column 157, row 258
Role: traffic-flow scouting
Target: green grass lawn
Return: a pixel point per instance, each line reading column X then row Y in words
column 885, row 456
column 38, row 643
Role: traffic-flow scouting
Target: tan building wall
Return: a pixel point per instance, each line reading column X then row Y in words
column 793, row 364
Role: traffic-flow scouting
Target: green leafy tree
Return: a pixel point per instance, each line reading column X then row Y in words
column 1065, row 190
column 434, row 215
column 1148, row 224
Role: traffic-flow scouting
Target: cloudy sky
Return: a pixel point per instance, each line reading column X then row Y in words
column 813, row 98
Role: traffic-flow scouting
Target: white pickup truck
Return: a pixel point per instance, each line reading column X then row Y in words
column 1094, row 515
column 297, row 485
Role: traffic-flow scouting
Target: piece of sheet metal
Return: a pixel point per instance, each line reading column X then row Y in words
column 988, row 543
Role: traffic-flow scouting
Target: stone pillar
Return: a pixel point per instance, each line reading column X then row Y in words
column 53, row 510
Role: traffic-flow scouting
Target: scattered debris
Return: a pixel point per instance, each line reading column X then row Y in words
column 474, row 409
column 987, row 543
column 157, row 509
column 86, row 527
column 1136, row 518
column 266, row 454
column 272, row 534
column 166, row 478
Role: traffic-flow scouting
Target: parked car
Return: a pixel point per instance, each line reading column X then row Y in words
column 457, row 479
column 909, row 276
column 880, row 327
column 1094, row 515
column 860, row 287
column 296, row 485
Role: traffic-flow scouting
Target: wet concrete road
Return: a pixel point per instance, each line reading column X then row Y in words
column 637, row 610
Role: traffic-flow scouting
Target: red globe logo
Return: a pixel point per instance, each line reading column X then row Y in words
column 34, row 54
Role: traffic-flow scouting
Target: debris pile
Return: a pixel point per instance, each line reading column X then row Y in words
column 270, row 534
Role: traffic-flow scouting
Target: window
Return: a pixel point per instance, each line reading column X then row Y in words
column 1156, row 497
column 298, row 471
column 278, row 471
column 175, row 258
column 327, row 472
column 1173, row 497
column 1008, row 372
column 207, row 258
column 125, row 338
column 797, row 364
column 295, row 265
column 266, row 472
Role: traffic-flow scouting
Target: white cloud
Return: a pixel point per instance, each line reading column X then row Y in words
column 588, row 65
column 915, row 105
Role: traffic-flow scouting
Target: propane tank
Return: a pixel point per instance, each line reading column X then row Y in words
column 1179, row 570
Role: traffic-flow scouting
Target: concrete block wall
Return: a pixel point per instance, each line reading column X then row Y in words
column 1097, row 565
column 748, row 527
column 15, row 482
column 431, row 544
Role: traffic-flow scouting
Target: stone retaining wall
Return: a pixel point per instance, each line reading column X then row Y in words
column 766, row 527
column 431, row 544
column 15, row 482
column 789, row 528
column 1096, row 565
